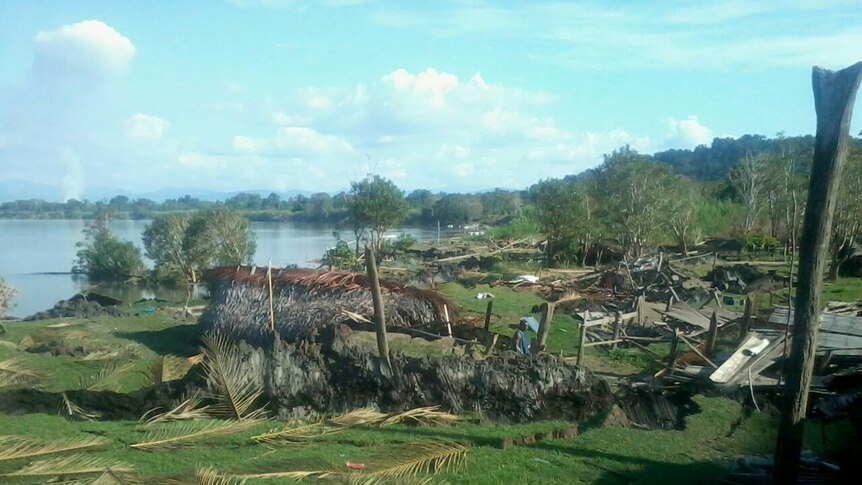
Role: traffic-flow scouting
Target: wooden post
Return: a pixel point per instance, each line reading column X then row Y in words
column 446, row 319
column 544, row 327
column 834, row 95
column 641, row 301
column 377, row 301
column 669, row 304
column 716, row 298
column 582, row 338
column 709, row 348
column 271, row 304
column 674, row 350
column 745, row 323
column 488, row 314
column 618, row 323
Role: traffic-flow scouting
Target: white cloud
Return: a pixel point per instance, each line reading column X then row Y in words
column 143, row 127
column 687, row 133
column 438, row 127
column 294, row 141
column 90, row 46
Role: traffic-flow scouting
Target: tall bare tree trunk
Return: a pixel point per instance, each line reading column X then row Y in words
column 834, row 94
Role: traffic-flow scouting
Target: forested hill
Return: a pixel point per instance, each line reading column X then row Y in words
column 713, row 162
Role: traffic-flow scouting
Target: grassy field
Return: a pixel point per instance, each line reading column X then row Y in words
column 119, row 352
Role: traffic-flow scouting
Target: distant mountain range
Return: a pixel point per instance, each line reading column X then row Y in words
column 22, row 190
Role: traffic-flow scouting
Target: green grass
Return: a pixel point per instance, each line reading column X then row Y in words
column 718, row 434
column 843, row 289
column 135, row 341
column 599, row 454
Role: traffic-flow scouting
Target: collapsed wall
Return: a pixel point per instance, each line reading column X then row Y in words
column 332, row 375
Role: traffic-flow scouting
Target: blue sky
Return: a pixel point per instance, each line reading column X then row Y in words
column 454, row 96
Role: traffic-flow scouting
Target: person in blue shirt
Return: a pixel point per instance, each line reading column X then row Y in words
column 521, row 339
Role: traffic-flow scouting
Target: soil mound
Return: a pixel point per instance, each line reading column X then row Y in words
column 80, row 306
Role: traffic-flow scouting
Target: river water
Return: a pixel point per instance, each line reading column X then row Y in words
column 37, row 255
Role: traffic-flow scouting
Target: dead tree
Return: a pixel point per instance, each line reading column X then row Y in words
column 834, row 94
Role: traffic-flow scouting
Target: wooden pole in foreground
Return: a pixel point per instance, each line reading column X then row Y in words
column 377, row 300
column 582, row 338
column 271, row 304
column 488, row 314
column 544, row 327
column 834, row 94
column 709, row 348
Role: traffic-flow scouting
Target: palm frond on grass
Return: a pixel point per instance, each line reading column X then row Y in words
column 107, row 478
column 235, row 392
column 13, row 372
column 293, row 434
column 167, row 368
column 360, row 416
column 401, row 464
column 17, row 447
column 168, row 437
column 68, row 408
column 207, row 476
column 72, row 465
column 196, row 359
column 427, row 416
column 189, row 408
column 103, row 378
column 363, row 479
column 423, row 457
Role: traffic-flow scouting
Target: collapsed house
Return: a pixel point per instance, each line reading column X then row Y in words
column 319, row 364
column 304, row 300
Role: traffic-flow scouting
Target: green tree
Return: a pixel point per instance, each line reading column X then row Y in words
column 183, row 245
column 847, row 222
column 376, row 206
column 7, row 294
column 562, row 211
column 103, row 256
column 163, row 241
column 219, row 237
column 634, row 194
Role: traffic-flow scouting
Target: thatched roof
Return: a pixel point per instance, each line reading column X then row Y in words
column 304, row 299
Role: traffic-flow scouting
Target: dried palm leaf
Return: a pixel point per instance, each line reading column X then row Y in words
column 365, row 479
column 17, row 447
column 104, row 377
column 178, row 436
column 292, row 475
column 12, row 373
column 429, row 416
column 424, row 457
column 167, row 368
column 77, row 464
column 355, row 317
column 236, row 393
column 296, row 434
column 189, row 408
column 102, row 355
column 207, row 476
column 111, row 477
column 361, row 416
column 196, row 359
column 68, row 408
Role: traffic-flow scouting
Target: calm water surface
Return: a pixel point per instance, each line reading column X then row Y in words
column 36, row 257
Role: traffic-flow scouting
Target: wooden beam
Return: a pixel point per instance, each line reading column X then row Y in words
column 377, row 301
column 582, row 341
column 709, row 348
column 488, row 313
column 544, row 327
column 641, row 302
column 834, row 95
column 618, row 323
column 745, row 323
